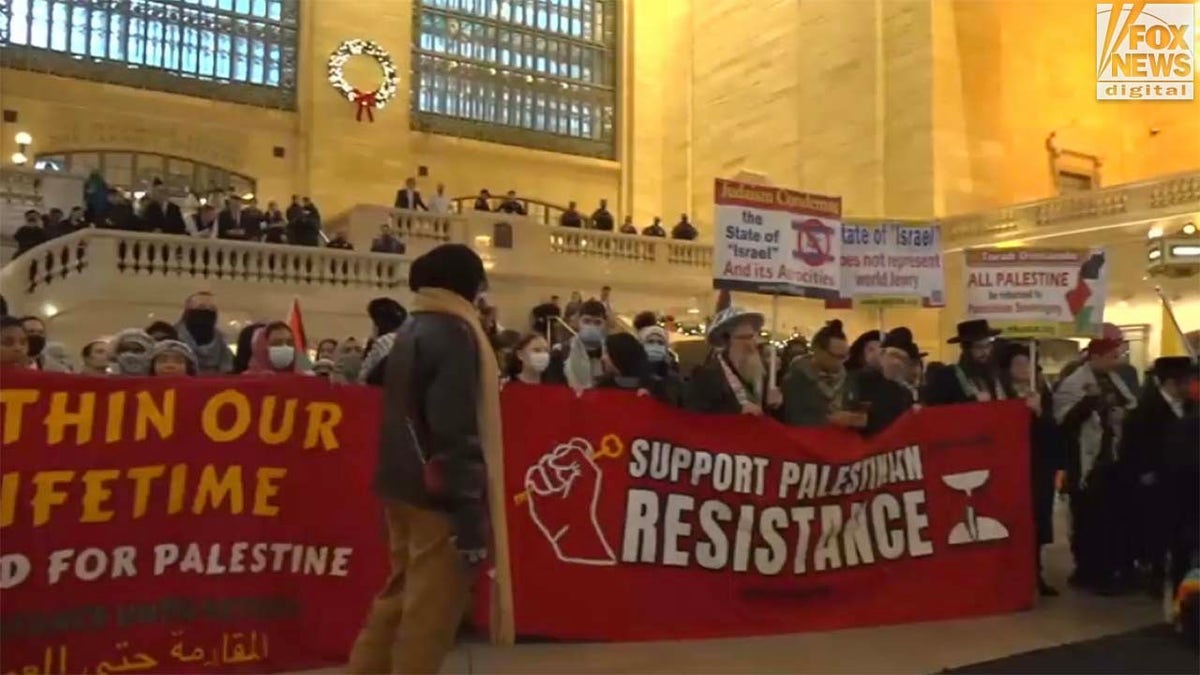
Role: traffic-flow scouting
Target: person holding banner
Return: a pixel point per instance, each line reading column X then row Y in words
column 171, row 358
column 816, row 388
column 864, row 351
column 973, row 378
column 14, row 344
column 885, row 393
column 1046, row 452
column 1090, row 407
column 735, row 380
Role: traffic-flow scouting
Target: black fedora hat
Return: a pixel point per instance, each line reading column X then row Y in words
column 901, row 338
column 1175, row 367
column 973, row 331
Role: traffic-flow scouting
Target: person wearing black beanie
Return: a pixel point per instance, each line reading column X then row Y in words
column 453, row 267
column 387, row 316
column 864, row 351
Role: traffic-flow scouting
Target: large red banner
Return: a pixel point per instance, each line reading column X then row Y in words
column 632, row 521
column 184, row 525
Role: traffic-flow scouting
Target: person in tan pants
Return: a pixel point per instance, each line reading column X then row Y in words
column 440, row 419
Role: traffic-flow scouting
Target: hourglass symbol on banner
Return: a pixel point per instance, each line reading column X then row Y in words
column 974, row 528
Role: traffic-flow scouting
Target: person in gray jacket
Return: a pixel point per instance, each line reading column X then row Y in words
column 440, row 404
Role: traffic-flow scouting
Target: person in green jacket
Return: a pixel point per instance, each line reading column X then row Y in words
column 816, row 389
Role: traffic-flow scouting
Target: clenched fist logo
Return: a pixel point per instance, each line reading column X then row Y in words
column 563, row 489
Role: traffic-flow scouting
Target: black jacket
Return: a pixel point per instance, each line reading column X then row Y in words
column 943, row 388
column 602, row 220
column 888, row 399
column 429, row 424
column 416, row 203
column 165, row 218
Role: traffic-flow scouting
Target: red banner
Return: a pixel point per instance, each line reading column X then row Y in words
column 184, row 525
column 632, row 521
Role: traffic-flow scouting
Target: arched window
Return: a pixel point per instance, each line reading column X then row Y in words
column 238, row 50
column 537, row 73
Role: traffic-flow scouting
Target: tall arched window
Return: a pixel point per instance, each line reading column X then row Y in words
column 537, row 73
column 238, row 50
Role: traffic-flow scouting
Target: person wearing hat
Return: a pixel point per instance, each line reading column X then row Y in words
column 1125, row 370
column 172, row 358
column 1182, row 462
column 387, row 316
column 662, row 372
column 734, row 381
column 1021, row 380
column 439, row 472
column 129, row 352
column 864, row 351
column 1142, row 458
column 973, row 378
column 625, row 363
column 816, row 388
column 1090, row 406
column 886, row 393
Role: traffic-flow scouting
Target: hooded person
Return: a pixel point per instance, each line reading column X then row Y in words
column 816, row 388
column 273, row 351
column 662, row 373
column 1021, row 380
column 129, row 352
column 1090, row 406
column 439, row 473
column 1142, row 459
column 974, row 377
column 197, row 328
column 172, row 358
column 734, row 380
column 387, row 316
column 577, row 362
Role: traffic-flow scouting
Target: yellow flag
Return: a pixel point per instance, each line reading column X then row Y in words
column 1171, row 341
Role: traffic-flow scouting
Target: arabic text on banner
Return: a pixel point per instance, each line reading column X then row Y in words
column 185, row 525
column 776, row 241
column 1037, row 292
column 892, row 264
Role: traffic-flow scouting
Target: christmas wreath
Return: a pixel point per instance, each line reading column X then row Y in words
column 366, row 100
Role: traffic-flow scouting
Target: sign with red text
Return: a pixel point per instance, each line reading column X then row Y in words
column 1037, row 292
column 776, row 241
column 184, row 525
column 891, row 265
column 635, row 521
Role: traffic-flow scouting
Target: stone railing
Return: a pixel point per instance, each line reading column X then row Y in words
column 1160, row 198
column 100, row 253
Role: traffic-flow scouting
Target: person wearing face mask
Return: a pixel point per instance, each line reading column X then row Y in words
column 198, row 330
column 273, row 350
column 40, row 355
column 662, row 376
column 14, row 344
column 129, row 352
column 172, row 358
column 577, row 362
column 528, row 360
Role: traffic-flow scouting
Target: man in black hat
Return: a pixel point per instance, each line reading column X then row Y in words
column 887, row 393
column 386, row 316
column 1143, row 462
column 973, row 378
column 735, row 379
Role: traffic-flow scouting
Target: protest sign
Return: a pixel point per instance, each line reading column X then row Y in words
column 185, row 525
column 891, row 265
column 651, row 523
column 1037, row 292
column 776, row 241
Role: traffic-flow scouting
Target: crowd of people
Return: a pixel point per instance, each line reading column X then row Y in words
column 219, row 215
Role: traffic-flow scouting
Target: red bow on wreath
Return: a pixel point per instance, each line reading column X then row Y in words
column 365, row 100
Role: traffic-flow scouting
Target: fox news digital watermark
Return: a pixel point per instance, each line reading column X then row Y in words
column 1146, row 51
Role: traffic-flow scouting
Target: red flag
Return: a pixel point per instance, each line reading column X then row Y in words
column 296, row 322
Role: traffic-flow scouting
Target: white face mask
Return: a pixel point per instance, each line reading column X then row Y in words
column 281, row 355
column 539, row 361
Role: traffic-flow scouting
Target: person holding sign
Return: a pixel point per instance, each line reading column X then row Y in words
column 973, row 378
column 734, row 380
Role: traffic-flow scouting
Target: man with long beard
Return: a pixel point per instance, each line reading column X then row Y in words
column 734, row 379
column 973, row 378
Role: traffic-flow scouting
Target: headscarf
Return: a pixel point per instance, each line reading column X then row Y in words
column 130, row 363
column 260, row 356
column 174, row 347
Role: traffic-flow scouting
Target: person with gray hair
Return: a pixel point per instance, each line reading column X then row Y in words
column 129, row 352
